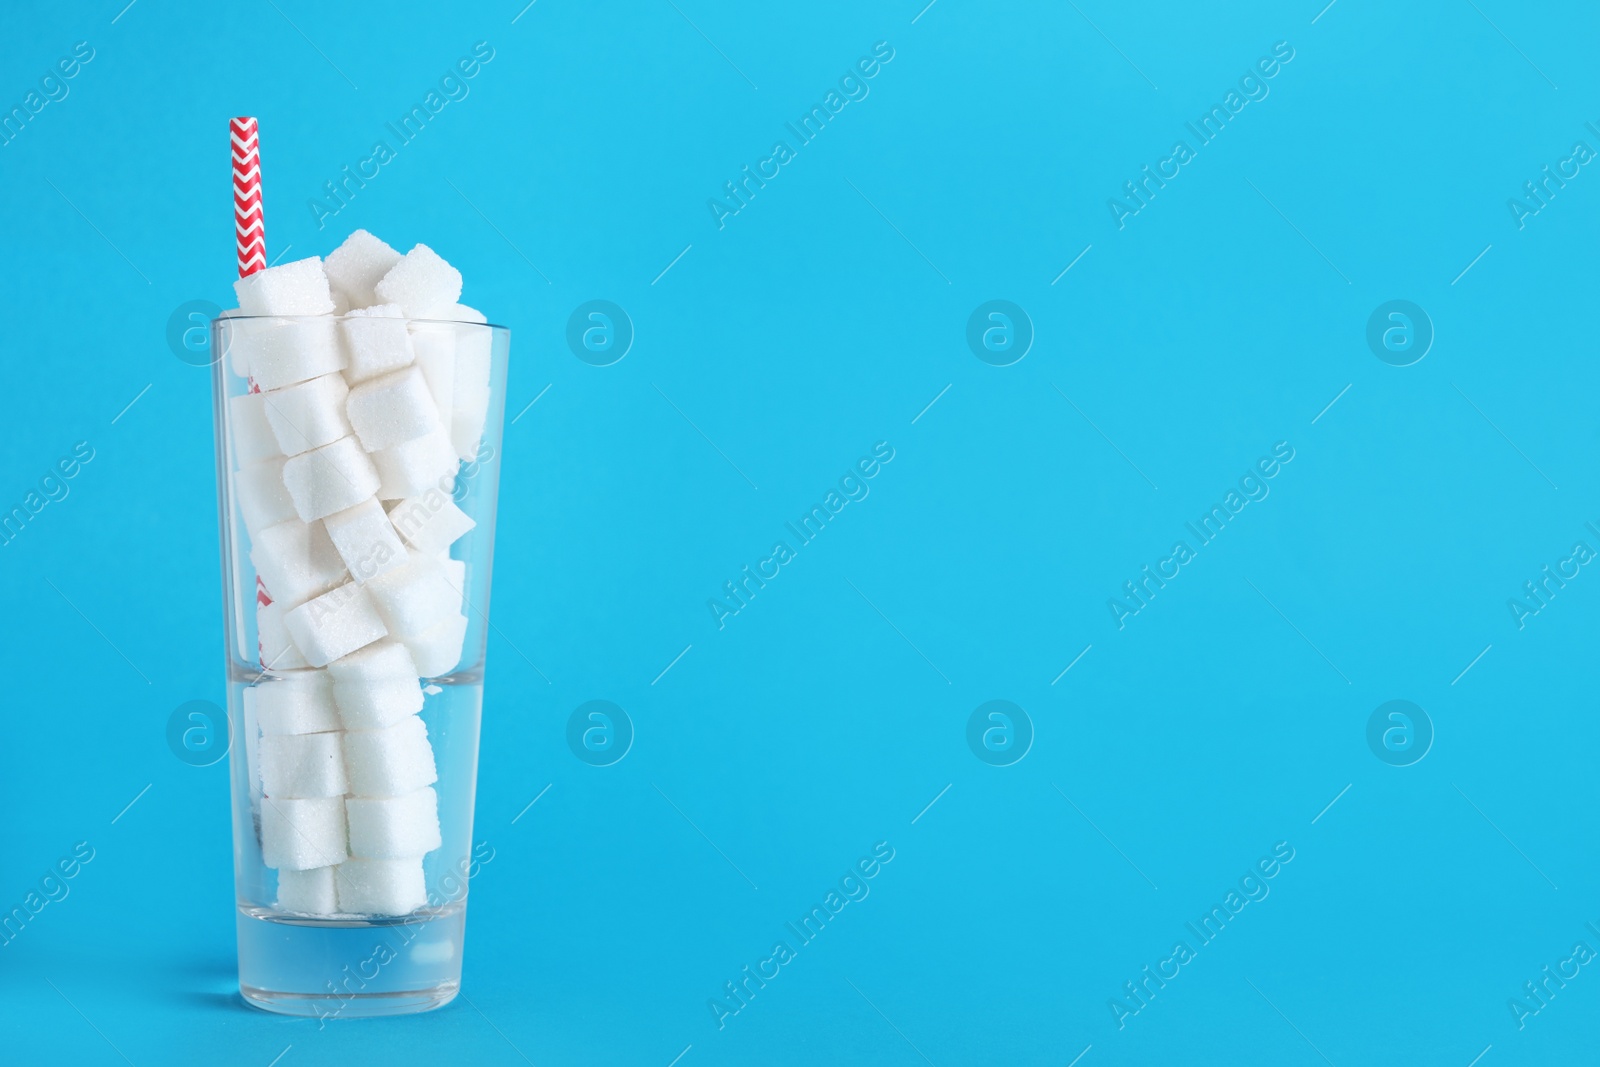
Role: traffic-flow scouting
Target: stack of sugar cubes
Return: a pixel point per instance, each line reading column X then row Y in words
column 346, row 449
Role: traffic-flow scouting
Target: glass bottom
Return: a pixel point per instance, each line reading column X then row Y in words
column 358, row 1006
column 350, row 968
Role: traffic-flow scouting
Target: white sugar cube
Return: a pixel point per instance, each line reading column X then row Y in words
column 455, row 573
column 437, row 650
column 381, row 662
column 278, row 651
column 252, row 750
column 238, row 357
column 413, row 467
column 308, row 892
column 281, row 352
column 334, row 624
column 294, row 702
column 262, row 497
column 421, row 283
column 462, row 313
column 393, row 408
column 467, row 421
column 376, row 687
column 381, row 887
column 379, row 705
column 297, row 288
column 308, row 414
column 332, row 478
column 376, row 705
column 366, row 540
column 391, row 828
column 455, row 576
column 430, row 521
column 414, row 598
column 296, row 561
column 470, row 401
column 356, row 266
column 302, row 834
column 303, row 765
column 377, row 341
column 474, row 348
column 391, row 761
column 435, row 346
column 252, row 434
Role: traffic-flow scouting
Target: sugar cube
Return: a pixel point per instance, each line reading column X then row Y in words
column 294, row 702
column 393, row 408
column 304, row 833
column 376, row 663
column 262, row 497
column 357, row 265
column 296, row 561
column 308, row 414
column 366, row 540
column 435, row 346
column 467, row 421
column 278, row 651
column 281, row 352
column 414, row 598
column 252, row 748
column 329, row 479
column 391, row 828
column 252, row 434
column 455, row 573
column 334, row 624
column 303, row 765
column 308, row 892
column 470, row 400
column 437, row 650
column 377, row 341
column 238, row 357
column 430, row 521
column 388, row 762
column 474, row 348
column 413, row 467
column 381, row 887
column 421, row 283
column 297, row 288
column 462, row 313
column 376, row 687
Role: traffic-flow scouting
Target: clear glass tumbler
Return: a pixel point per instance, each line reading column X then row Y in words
column 356, row 553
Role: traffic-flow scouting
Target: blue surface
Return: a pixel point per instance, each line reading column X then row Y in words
column 1227, row 718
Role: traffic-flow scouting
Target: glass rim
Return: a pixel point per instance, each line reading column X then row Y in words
column 341, row 318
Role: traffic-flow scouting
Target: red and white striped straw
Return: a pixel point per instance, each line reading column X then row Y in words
column 249, row 232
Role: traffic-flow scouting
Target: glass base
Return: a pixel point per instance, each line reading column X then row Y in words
column 337, row 968
column 356, row 1006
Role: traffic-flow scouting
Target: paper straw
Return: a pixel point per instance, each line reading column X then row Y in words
column 249, row 232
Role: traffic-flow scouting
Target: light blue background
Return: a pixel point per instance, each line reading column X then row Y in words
column 827, row 714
